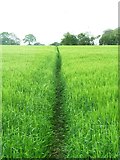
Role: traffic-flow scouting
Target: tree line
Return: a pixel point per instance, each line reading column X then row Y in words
column 109, row 37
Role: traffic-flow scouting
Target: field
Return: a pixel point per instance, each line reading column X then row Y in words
column 60, row 102
column 28, row 97
column 91, row 103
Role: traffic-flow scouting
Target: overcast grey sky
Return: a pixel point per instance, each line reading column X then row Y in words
column 48, row 20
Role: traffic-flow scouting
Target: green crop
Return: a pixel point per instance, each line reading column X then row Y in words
column 69, row 98
column 28, row 97
column 91, row 104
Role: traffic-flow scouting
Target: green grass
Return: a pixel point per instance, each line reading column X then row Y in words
column 91, row 105
column 28, row 97
column 90, row 101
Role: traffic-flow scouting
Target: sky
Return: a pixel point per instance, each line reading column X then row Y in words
column 48, row 20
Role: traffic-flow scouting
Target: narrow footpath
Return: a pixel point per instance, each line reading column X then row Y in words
column 58, row 113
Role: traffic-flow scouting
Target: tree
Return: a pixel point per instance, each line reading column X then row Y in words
column 55, row 44
column 69, row 39
column 30, row 38
column 9, row 39
column 118, row 35
column 14, row 40
column 85, row 39
column 37, row 44
column 109, row 37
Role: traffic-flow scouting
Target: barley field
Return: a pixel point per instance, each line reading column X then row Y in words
column 28, row 97
column 77, row 120
column 91, row 106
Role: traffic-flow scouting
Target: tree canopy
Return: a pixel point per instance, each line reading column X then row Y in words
column 80, row 39
column 110, row 37
column 9, row 39
column 69, row 39
column 30, row 38
column 85, row 39
column 55, row 44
